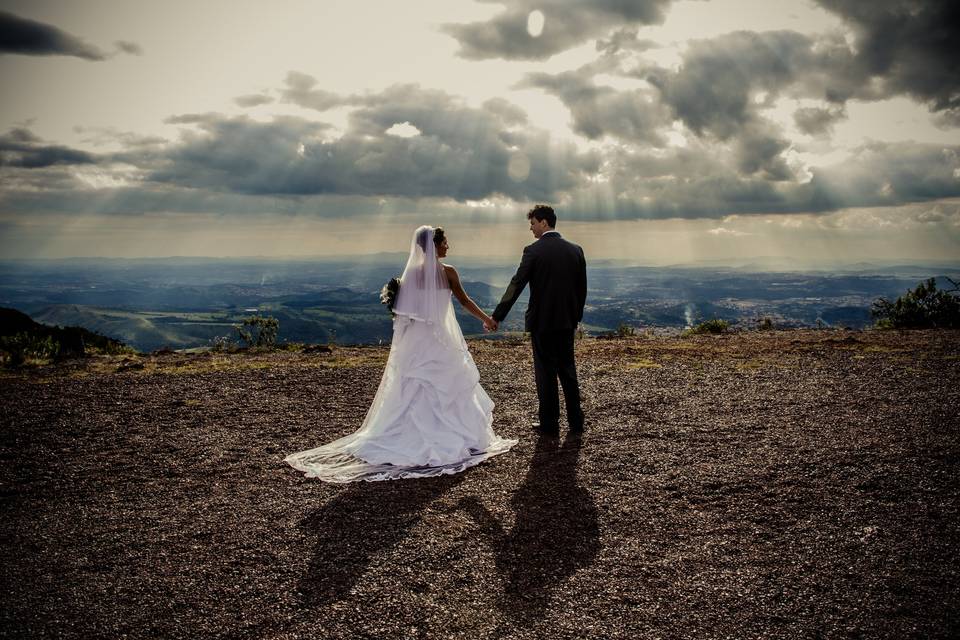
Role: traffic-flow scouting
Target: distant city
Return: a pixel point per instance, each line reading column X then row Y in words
column 192, row 302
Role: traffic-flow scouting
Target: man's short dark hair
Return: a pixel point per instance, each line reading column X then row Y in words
column 542, row 212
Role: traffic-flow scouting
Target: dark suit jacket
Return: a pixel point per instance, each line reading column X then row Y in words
column 557, row 273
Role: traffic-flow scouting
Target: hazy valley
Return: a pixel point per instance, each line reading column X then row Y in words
column 190, row 302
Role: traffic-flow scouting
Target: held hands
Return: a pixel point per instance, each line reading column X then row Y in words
column 490, row 325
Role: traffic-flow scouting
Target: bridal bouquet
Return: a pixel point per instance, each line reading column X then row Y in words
column 388, row 295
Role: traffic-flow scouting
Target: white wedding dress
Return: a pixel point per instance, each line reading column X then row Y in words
column 430, row 416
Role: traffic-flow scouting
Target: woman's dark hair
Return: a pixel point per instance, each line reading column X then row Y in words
column 438, row 236
column 543, row 212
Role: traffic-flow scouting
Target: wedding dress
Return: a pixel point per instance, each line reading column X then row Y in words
column 430, row 415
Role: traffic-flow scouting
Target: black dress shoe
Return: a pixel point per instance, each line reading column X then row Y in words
column 551, row 432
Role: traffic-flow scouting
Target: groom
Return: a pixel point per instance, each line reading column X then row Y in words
column 557, row 273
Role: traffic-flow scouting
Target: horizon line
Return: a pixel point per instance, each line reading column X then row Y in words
column 742, row 261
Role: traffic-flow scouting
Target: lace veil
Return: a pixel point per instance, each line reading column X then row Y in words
column 423, row 284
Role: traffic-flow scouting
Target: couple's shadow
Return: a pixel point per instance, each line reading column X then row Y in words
column 359, row 522
column 555, row 530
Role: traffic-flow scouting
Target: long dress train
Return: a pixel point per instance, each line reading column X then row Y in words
column 430, row 415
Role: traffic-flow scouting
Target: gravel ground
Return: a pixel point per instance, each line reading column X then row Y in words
column 766, row 484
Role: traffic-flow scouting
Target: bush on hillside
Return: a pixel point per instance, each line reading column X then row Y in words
column 714, row 326
column 258, row 331
column 924, row 307
column 17, row 349
column 25, row 339
column 624, row 330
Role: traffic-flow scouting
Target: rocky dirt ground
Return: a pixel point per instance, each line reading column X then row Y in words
column 766, row 484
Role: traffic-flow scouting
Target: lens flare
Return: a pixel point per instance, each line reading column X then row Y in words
column 535, row 23
column 519, row 167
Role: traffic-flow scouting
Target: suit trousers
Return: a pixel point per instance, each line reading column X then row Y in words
column 553, row 359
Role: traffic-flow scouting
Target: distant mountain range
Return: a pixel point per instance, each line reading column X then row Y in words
column 188, row 302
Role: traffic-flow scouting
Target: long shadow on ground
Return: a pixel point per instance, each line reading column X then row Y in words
column 354, row 526
column 555, row 532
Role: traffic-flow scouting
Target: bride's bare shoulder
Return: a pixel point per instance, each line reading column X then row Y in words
column 453, row 278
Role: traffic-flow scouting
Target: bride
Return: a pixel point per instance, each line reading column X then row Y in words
column 430, row 415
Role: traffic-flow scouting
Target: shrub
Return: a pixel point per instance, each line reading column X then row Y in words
column 624, row 331
column 221, row 343
column 709, row 326
column 258, row 331
column 111, row 348
column 23, row 346
column 923, row 307
column 765, row 324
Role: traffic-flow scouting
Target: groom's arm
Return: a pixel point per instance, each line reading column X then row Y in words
column 517, row 283
column 582, row 285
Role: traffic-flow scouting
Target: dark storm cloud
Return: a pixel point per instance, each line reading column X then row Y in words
column 717, row 92
column 720, row 92
column 700, row 181
column 816, row 121
column 889, row 174
column 21, row 148
column 567, row 23
column 758, row 150
column 19, row 35
column 912, row 45
column 724, row 85
column 221, row 168
column 737, row 161
column 597, row 111
column 237, row 154
column 703, row 182
column 461, row 152
column 947, row 119
column 901, row 47
column 718, row 85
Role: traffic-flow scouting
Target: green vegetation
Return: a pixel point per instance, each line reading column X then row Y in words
column 924, row 307
column 765, row 324
column 258, row 331
column 24, row 341
column 714, row 326
column 17, row 349
column 624, row 330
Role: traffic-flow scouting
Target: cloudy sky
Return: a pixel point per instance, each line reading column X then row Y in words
column 666, row 131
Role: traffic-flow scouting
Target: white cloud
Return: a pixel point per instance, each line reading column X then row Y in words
column 723, row 231
column 403, row 130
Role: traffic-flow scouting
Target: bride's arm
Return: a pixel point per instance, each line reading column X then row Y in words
column 462, row 296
